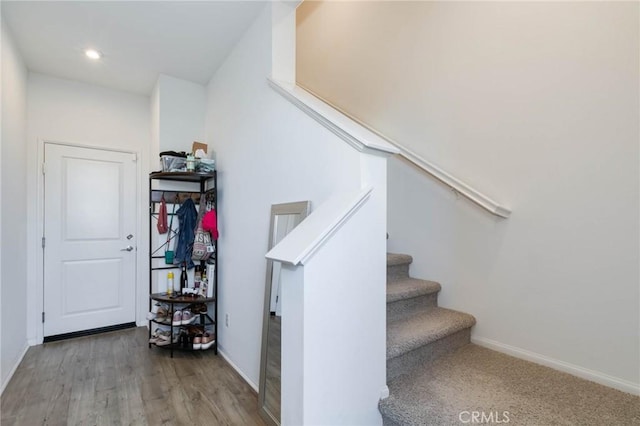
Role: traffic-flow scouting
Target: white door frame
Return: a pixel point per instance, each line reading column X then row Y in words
column 35, row 305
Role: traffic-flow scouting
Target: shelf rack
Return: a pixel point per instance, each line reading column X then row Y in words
column 207, row 187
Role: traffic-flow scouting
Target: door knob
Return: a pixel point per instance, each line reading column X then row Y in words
column 128, row 248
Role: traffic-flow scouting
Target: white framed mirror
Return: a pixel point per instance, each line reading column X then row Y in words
column 284, row 217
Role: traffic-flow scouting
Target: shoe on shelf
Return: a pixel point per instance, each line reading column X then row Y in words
column 177, row 318
column 198, row 308
column 187, row 317
column 162, row 313
column 160, row 337
column 197, row 342
column 207, row 340
column 167, row 341
column 151, row 316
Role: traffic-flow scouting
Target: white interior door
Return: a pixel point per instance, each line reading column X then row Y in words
column 90, row 250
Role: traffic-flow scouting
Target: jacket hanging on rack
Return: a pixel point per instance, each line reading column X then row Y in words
column 187, row 216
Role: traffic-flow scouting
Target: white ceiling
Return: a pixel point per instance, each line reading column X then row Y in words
column 139, row 39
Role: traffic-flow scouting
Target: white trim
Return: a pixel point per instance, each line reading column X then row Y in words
column 312, row 233
column 356, row 135
column 235, row 367
column 13, row 369
column 454, row 183
column 584, row 373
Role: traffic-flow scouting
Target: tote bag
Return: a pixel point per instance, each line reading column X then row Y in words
column 202, row 240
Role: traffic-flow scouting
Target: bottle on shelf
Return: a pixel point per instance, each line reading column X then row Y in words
column 183, row 278
column 170, row 283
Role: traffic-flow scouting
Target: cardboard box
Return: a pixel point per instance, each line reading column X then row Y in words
column 197, row 145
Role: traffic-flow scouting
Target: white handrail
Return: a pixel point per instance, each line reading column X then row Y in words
column 310, row 105
column 355, row 134
column 305, row 239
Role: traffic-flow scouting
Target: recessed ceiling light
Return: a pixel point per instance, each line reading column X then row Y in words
column 93, row 54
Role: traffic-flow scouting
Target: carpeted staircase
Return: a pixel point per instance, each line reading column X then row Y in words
column 418, row 331
column 436, row 377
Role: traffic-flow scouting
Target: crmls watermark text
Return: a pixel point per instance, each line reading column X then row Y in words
column 481, row 417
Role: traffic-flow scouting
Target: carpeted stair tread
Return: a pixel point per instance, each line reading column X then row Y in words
column 407, row 288
column 423, row 328
column 478, row 379
column 395, row 259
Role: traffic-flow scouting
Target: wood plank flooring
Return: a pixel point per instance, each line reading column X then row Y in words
column 115, row 379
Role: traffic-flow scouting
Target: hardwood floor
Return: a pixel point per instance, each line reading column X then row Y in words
column 115, row 379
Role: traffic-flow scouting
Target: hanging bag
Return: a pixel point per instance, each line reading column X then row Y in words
column 162, row 216
column 168, row 254
column 202, row 238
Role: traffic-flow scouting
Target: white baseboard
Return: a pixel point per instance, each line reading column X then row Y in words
column 13, row 369
column 584, row 373
column 235, row 367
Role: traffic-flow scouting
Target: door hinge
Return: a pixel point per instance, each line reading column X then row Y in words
column 135, row 158
column 43, row 168
column 43, row 317
column 43, row 242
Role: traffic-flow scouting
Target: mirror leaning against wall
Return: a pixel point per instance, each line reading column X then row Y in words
column 284, row 217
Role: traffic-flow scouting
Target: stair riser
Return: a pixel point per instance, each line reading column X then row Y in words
column 416, row 359
column 403, row 308
column 397, row 271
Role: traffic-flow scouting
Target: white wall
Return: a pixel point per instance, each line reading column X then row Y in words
column 182, row 106
column 13, row 227
column 154, row 148
column 268, row 152
column 535, row 104
column 67, row 111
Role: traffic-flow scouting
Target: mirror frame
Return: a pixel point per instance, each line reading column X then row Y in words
column 300, row 208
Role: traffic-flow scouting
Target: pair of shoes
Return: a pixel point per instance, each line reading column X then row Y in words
column 184, row 317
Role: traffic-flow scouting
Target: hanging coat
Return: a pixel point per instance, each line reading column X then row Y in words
column 187, row 216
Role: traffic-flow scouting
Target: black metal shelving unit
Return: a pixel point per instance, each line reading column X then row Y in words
column 208, row 187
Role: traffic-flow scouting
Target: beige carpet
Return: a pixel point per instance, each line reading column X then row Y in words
column 506, row 390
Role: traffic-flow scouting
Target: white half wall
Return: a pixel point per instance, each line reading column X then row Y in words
column 268, row 152
column 13, row 209
column 71, row 112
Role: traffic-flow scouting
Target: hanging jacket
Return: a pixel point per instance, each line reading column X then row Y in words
column 187, row 216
